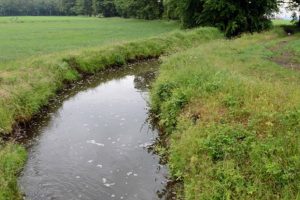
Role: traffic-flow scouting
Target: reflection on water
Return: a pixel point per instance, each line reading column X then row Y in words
column 94, row 144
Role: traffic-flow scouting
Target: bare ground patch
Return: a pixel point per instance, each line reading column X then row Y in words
column 284, row 58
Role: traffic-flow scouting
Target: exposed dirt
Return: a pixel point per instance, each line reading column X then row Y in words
column 284, row 58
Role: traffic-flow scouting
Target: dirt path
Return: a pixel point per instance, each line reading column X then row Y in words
column 285, row 57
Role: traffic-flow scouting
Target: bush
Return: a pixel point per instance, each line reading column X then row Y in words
column 142, row 9
column 232, row 17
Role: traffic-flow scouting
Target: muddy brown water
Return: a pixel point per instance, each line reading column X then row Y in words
column 93, row 145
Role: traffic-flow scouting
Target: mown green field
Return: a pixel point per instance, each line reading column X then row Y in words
column 231, row 109
column 22, row 37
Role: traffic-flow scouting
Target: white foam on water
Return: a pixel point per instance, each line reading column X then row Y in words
column 145, row 145
column 129, row 173
column 109, row 184
column 94, row 142
column 104, row 180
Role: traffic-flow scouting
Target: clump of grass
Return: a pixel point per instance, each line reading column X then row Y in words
column 234, row 119
column 12, row 159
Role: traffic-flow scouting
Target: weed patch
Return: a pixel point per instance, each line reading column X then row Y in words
column 232, row 116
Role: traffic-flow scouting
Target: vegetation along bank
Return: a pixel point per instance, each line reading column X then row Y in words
column 231, row 113
column 229, row 107
column 40, row 78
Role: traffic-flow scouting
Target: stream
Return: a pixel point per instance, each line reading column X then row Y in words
column 94, row 144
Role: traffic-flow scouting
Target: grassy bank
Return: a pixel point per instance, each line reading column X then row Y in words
column 27, row 85
column 232, row 113
column 12, row 159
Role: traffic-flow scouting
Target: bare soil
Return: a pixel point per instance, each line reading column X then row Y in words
column 284, row 58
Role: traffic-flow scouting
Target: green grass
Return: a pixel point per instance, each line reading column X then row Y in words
column 27, row 84
column 211, row 97
column 41, row 54
column 279, row 22
column 12, row 159
column 22, row 37
column 233, row 118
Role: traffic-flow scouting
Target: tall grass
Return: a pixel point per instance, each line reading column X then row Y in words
column 26, row 86
column 233, row 119
column 12, row 159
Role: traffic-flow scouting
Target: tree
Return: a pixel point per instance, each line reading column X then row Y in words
column 231, row 16
column 294, row 5
column 171, row 9
column 108, row 8
column 67, row 7
column 142, row 9
column 96, row 7
column 83, row 7
column 31, row 7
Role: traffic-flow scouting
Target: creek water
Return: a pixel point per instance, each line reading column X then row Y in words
column 94, row 143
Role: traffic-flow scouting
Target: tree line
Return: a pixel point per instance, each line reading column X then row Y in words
column 231, row 16
column 145, row 9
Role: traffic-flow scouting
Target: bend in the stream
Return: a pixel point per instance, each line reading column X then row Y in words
column 93, row 143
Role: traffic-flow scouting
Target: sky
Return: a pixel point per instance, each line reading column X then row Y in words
column 284, row 13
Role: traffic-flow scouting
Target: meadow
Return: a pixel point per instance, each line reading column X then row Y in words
column 231, row 112
column 22, row 37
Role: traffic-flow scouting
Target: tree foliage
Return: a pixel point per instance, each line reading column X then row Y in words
column 83, row 7
column 171, row 9
column 231, row 16
column 294, row 5
column 29, row 7
column 142, row 9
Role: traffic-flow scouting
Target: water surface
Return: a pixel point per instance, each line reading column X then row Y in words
column 93, row 145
